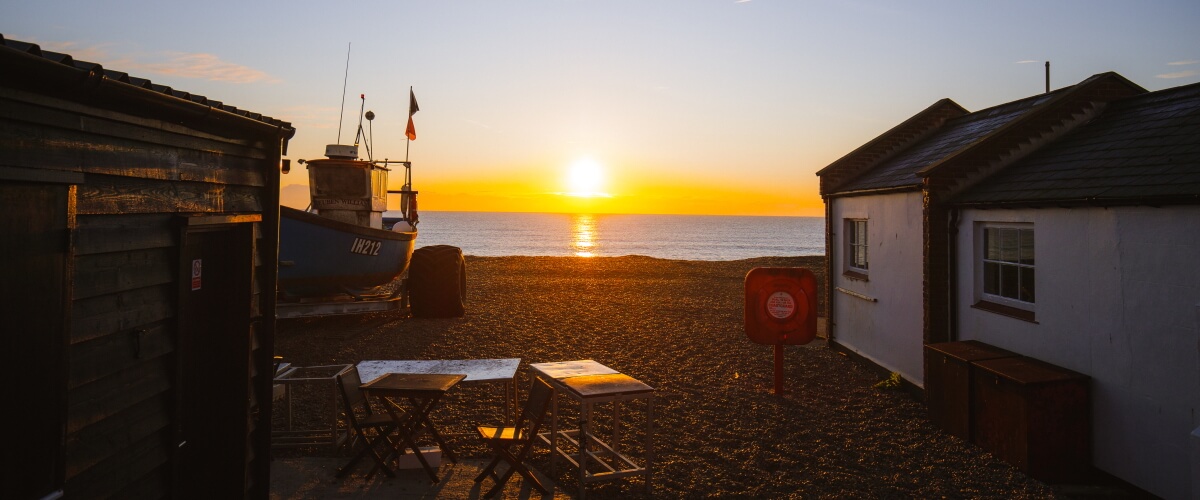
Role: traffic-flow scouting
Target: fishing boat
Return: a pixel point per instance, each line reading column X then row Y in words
column 342, row 256
column 340, row 246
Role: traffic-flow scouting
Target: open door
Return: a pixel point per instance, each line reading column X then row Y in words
column 212, row 439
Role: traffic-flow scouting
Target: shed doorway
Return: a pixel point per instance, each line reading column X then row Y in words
column 35, row 272
column 216, row 266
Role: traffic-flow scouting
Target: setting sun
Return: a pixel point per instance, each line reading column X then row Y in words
column 585, row 178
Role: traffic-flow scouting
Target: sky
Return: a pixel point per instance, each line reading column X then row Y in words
column 724, row 107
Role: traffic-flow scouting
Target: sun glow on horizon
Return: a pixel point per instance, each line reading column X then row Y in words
column 585, row 179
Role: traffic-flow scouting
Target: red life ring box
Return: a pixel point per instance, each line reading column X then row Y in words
column 781, row 305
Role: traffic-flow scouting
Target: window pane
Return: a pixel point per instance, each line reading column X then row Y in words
column 1027, row 284
column 860, row 227
column 860, row 256
column 1008, row 281
column 1026, row 243
column 991, row 278
column 991, row 241
column 1008, row 245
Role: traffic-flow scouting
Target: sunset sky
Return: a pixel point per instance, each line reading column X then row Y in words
column 649, row 106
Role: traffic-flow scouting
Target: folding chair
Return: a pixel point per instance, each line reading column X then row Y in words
column 373, row 428
column 519, row 437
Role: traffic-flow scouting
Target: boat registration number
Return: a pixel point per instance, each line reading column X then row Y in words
column 366, row 247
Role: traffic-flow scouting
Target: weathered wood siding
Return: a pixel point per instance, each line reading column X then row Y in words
column 141, row 177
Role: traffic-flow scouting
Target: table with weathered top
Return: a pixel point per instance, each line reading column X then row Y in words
column 422, row 391
column 589, row 383
column 481, row 371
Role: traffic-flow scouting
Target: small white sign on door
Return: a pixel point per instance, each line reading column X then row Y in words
column 195, row 275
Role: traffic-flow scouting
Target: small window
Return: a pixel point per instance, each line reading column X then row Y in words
column 1008, row 264
column 857, row 261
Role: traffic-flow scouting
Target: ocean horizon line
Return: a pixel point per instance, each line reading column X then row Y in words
column 393, row 213
column 678, row 237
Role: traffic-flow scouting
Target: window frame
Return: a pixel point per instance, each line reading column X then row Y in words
column 851, row 244
column 1008, row 261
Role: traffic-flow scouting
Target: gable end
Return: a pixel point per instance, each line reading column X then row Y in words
column 878, row 150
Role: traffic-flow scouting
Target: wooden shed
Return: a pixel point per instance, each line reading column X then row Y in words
column 138, row 246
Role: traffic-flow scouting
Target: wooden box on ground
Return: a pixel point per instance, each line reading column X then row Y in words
column 1034, row 415
column 948, row 382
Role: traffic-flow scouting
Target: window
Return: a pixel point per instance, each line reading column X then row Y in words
column 857, row 262
column 1008, row 264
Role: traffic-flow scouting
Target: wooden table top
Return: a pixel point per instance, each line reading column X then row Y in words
column 413, row 384
column 476, row 370
column 565, row 369
column 587, row 386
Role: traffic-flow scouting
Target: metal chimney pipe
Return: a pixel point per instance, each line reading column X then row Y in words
column 1047, row 77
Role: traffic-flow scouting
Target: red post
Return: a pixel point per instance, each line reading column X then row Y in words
column 778, row 369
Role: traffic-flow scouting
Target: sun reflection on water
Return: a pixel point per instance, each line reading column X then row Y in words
column 583, row 228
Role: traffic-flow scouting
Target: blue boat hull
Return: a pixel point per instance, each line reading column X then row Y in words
column 320, row 256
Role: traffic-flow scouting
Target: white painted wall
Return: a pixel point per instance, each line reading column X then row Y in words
column 1116, row 293
column 888, row 331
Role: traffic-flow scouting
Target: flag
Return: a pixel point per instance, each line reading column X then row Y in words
column 411, row 131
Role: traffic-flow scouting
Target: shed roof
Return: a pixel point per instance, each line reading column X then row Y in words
column 956, row 134
column 68, row 77
column 1140, row 149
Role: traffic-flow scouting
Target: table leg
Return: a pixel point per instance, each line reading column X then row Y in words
column 437, row 437
column 510, row 398
column 649, row 440
column 553, row 428
column 410, row 423
column 616, row 434
column 584, row 435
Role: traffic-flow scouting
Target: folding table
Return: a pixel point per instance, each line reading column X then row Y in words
column 478, row 371
column 588, row 383
column 423, row 391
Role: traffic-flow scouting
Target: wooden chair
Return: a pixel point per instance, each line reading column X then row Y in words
column 371, row 427
column 518, row 437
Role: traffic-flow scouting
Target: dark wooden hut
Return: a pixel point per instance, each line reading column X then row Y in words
column 138, row 248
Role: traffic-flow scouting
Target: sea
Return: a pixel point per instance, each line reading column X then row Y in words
column 680, row 237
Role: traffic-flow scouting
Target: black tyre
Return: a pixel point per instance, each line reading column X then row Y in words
column 437, row 282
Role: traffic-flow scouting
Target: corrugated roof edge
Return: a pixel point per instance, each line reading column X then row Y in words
column 92, row 68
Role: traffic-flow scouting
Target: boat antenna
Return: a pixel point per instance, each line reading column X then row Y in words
column 363, row 98
column 345, row 77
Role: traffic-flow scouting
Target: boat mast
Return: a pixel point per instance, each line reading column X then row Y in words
column 345, row 78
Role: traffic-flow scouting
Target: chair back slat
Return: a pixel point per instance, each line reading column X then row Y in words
column 350, row 384
column 535, row 408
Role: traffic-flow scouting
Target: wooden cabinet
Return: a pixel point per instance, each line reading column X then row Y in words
column 1034, row 415
column 948, row 382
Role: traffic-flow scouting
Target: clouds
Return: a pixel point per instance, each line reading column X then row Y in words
column 1180, row 74
column 204, row 67
column 199, row 66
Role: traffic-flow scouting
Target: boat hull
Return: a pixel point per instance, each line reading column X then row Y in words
column 320, row 256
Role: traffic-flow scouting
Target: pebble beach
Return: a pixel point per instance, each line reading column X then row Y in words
column 719, row 430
